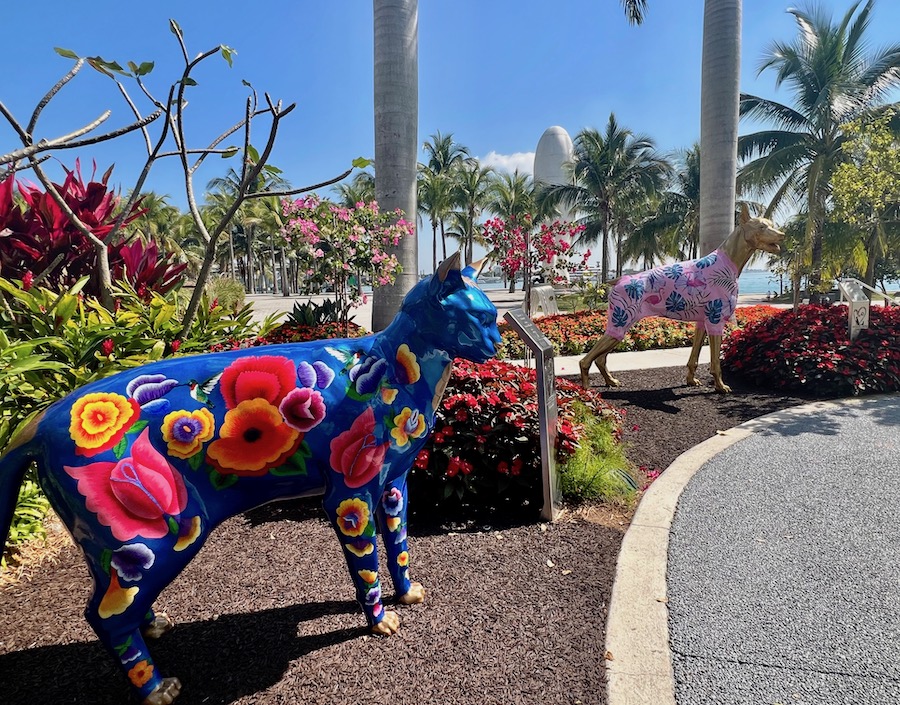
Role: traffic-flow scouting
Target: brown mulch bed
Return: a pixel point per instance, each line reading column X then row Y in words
column 265, row 613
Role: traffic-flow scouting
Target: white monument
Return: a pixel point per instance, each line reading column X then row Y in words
column 554, row 151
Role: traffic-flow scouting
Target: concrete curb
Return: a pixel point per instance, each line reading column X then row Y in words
column 638, row 655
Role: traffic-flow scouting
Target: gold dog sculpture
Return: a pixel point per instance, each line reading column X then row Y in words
column 704, row 290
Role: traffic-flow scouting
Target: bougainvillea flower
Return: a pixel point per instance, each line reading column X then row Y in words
column 403, row 559
column 409, row 367
column 352, row 517
column 392, row 501
column 100, row 420
column 303, row 409
column 188, row 532
column 130, row 560
column 367, row 375
column 360, row 548
column 253, row 438
column 393, row 523
column 409, row 423
column 141, row 673
column 268, row 377
column 117, row 599
column 355, row 452
column 317, row 374
column 369, row 576
column 185, row 432
column 135, row 495
column 149, row 390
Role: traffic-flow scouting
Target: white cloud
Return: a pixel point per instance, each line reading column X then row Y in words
column 523, row 161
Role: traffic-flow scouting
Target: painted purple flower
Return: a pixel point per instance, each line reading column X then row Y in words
column 131, row 559
column 373, row 596
column 392, row 502
column 317, row 374
column 367, row 375
column 303, row 409
column 130, row 653
column 148, row 391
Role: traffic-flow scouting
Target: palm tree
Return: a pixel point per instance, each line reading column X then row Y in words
column 444, row 157
column 833, row 81
column 471, row 186
column 435, row 199
column 719, row 94
column 608, row 170
column 512, row 196
column 396, row 139
column 361, row 189
column 634, row 10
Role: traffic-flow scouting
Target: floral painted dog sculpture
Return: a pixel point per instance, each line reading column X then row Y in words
column 704, row 290
column 142, row 466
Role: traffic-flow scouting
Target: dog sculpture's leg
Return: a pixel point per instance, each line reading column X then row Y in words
column 392, row 519
column 694, row 359
column 353, row 516
column 116, row 612
column 597, row 355
column 715, row 364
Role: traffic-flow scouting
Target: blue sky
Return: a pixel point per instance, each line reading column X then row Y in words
column 495, row 73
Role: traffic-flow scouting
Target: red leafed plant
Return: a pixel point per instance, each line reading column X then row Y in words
column 35, row 233
column 809, row 351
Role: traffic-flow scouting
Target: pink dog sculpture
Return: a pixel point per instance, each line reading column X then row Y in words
column 142, row 466
column 704, row 290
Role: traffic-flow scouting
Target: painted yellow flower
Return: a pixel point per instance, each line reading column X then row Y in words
column 185, row 432
column 409, row 423
column 388, row 395
column 99, row 420
column 117, row 599
column 410, row 365
column 353, row 517
column 370, row 576
column 187, row 534
column 141, row 673
column 360, row 548
column 403, row 559
column 393, row 523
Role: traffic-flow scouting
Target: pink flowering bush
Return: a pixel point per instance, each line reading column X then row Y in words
column 338, row 243
column 549, row 252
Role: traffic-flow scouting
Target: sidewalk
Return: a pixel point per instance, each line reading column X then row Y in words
column 763, row 567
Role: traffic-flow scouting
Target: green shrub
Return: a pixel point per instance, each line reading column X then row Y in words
column 313, row 314
column 228, row 292
column 31, row 508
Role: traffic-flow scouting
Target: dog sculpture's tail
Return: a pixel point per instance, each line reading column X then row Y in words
column 12, row 469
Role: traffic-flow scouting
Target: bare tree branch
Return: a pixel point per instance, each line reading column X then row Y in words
column 49, row 96
column 304, row 189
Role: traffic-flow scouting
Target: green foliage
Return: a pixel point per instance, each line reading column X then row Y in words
column 28, row 520
column 313, row 314
column 228, row 292
column 598, row 469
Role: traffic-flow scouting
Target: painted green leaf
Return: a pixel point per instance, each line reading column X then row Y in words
column 219, row 481
column 120, row 448
column 138, row 426
column 105, row 559
column 195, row 461
column 370, row 530
column 287, row 470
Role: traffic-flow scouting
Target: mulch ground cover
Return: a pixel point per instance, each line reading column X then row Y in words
column 265, row 614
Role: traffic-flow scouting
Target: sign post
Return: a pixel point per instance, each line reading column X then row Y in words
column 858, row 306
column 548, row 410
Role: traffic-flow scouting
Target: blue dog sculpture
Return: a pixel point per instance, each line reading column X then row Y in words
column 142, row 466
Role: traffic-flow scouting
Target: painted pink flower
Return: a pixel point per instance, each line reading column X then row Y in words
column 303, row 409
column 135, row 496
column 356, row 454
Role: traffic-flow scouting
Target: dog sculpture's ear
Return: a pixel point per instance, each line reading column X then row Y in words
column 449, row 268
column 745, row 213
column 473, row 270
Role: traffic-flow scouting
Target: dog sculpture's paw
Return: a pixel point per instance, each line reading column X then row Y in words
column 723, row 388
column 165, row 694
column 159, row 626
column 390, row 624
column 415, row 595
column 612, row 382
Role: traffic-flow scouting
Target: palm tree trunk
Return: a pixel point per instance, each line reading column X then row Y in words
column 719, row 101
column 231, row 264
column 396, row 138
column 251, row 280
column 272, row 257
column 434, row 244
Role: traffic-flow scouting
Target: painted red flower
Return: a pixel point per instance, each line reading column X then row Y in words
column 268, row 377
column 356, row 454
column 134, row 496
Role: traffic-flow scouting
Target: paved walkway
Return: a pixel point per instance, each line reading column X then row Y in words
column 763, row 567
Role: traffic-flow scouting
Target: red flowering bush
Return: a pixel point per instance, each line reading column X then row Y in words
column 485, row 447
column 809, row 351
column 576, row 333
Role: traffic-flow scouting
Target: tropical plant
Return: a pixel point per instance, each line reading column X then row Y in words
column 610, row 170
column 471, row 189
column 834, row 81
column 361, row 189
column 444, row 156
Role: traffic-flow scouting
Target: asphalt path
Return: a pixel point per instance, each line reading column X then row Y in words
column 783, row 581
